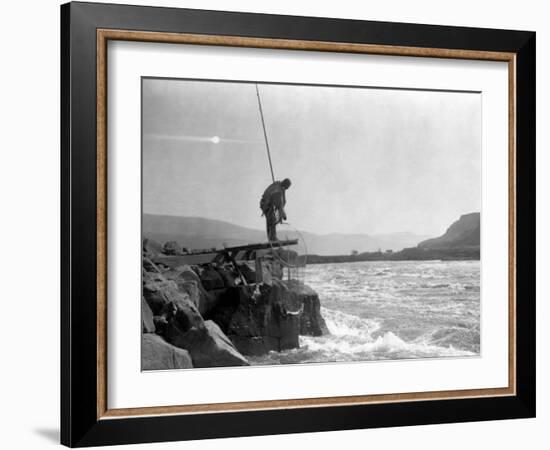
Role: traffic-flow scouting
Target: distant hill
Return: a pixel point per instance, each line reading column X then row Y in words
column 464, row 233
column 459, row 242
column 198, row 233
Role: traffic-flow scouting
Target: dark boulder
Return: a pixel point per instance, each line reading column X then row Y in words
column 267, row 317
column 211, row 278
column 160, row 324
column 228, row 274
column 179, row 321
column 259, row 319
column 173, row 302
column 157, row 354
column 248, row 274
column 207, row 344
column 169, row 304
column 312, row 322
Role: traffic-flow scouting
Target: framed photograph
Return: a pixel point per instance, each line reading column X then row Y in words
column 276, row 224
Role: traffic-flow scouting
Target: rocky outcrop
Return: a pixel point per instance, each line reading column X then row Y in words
column 207, row 344
column 264, row 318
column 311, row 320
column 463, row 233
column 157, row 354
column 211, row 278
column 161, row 294
column 216, row 313
column 188, row 281
column 178, row 320
column 248, row 274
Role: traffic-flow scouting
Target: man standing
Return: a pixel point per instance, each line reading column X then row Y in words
column 272, row 205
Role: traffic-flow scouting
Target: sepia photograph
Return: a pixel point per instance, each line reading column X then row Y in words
column 293, row 224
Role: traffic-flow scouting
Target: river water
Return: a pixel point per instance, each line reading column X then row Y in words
column 384, row 310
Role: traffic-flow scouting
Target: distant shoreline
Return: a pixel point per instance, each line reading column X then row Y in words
column 408, row 254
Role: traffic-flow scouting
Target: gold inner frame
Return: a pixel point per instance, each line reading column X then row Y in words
column 104, row 35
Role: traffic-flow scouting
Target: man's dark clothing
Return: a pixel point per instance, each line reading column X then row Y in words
column 272, row 205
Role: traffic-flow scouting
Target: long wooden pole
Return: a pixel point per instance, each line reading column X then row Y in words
column 265, row 133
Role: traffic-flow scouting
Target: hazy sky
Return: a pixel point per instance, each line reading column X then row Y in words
column 360, row 160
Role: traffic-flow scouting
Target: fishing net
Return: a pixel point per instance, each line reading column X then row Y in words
column 291, row 260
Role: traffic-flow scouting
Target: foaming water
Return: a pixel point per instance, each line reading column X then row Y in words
column 391, row 310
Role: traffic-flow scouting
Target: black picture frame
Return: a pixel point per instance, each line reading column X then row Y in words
column 80, row 425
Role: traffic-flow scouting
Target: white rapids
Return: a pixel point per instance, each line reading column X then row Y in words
column 388, row 310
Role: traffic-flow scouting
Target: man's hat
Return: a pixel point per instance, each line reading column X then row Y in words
column 286, row 183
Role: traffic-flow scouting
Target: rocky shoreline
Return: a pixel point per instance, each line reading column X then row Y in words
column 207, row 315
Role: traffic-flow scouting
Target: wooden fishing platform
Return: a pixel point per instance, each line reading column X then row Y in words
column 248, row 252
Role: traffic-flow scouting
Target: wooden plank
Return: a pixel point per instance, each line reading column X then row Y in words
column 262, row 245
column 181, row 260
column 239, row 253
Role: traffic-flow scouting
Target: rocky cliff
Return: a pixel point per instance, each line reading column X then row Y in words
column 207, row 316
column 463, row 233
